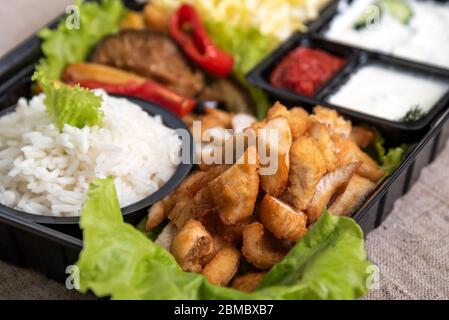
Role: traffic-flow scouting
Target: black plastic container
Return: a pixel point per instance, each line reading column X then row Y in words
column 355, row 59
column 51, row 248
column 321, row 26
column 137, row 211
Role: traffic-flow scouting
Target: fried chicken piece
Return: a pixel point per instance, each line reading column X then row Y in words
column 353, row 197
column 275, row 182
column 307, row 166
column 223, row 267
column 218, row 243
column 336, row 124
column 297, row 117
column 190, row 200
column 180, row 208
column 329, row 184
column 156, row 214
column 165, row 238
column 190, row 244
column 212, row 118
column 363, row 137
column 320, row 134
column 216, row 118
column 276, row 110
column 347, row 151
column 248, row 282
column 259, row 249
column 258, row 125
column 281, row 219
column 299, row 121
column 241, row 121
column 233, row 234
column 235, row 191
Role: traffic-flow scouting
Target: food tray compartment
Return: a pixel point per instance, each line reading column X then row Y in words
column 259, row 77
column 370, row 58
column 37, row 247
column 323, row 25
column 50, row 249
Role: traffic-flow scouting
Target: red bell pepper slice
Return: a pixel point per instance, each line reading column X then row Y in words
column 149, row 91
column 198, row 46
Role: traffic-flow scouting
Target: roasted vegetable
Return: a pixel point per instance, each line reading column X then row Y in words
column 198, row 46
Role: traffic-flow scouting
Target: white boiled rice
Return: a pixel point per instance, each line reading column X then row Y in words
column 47, row 172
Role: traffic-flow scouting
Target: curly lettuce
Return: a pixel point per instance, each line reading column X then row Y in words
column 120, row 262
column 64, row 45
column 74, row 106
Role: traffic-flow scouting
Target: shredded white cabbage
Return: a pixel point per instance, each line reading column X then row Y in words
column 274, row 18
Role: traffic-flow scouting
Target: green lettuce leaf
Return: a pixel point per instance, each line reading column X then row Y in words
column 62, row 46
column 75, row 106
column 121, row 262
column 328, row 263
column 388, row 160
column 393, row 158
column 249, row 47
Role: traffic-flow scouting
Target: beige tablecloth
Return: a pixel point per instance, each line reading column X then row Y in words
column 411, row 248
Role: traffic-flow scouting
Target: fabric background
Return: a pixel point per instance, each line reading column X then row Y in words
column 411, row 248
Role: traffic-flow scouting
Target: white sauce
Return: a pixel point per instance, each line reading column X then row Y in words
column 388, row 93
column 424, row 39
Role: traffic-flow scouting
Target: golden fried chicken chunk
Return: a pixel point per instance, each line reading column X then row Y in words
column 275, row 155
column 297, row 117
column 299, row 121
column 307, row 166
column 329, row 184
column 347, row 151
column 260, row 249
column 336, row 123
column 215, row 118
column 223, row 267
column 241, row 121
column 218, row 243
column 189, row 199
column 363, row 137
column 320, row 134
column 352, row 198
column 248, row 282
column 281, row 219
column 235, row 191
column 190, row 244
column 156, row 214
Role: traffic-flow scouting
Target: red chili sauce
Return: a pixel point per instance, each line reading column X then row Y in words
column 305, row 70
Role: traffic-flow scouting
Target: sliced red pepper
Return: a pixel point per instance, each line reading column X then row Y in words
column 149, row 91
column 198, row 46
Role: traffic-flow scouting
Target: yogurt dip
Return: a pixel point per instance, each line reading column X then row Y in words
column 425, row 38
column 388, row 93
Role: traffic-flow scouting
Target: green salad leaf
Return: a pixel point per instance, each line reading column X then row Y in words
column 121, row 262
column 388, row 160
column 65, row 45
column 75, row 106
column 249, row 47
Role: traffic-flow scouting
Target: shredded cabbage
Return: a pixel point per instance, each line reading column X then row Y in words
column 273, row 18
